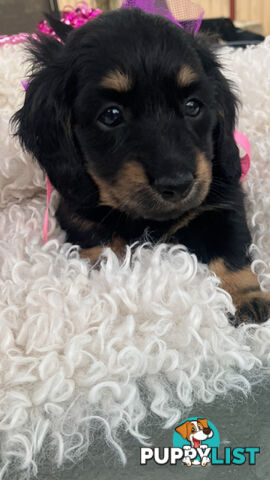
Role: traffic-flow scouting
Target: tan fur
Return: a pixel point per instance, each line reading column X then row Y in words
column 129, row 178
column 116, row 80
column 92, row 254
column 117, row 245
column 244, row 289
column 186, row 76
column 203, row 174
column 235, row 282
column 80, row 223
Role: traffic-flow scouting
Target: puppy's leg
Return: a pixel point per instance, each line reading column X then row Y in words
column 91, row 236
column 117, row 245
column 251, row 303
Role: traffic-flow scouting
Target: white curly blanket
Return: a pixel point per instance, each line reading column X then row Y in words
column 84, row 350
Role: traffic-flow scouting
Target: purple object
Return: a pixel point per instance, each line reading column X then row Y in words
column 25, row 84
column 184, row 13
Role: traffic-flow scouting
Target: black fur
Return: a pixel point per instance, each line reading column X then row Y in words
column 57, row 124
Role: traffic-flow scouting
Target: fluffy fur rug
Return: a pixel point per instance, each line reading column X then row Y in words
column 84, row 350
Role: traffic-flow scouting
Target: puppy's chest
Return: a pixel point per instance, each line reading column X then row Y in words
column 202, row 234
column 191, row 229
column 206, row 234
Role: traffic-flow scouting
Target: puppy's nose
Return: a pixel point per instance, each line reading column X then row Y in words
column 174, row 188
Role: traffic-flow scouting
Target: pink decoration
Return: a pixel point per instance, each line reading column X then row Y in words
column 243, row 141
column 190, row 14
column 14, row 39
column 75, row 17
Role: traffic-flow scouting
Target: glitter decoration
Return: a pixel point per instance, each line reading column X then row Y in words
column 73, row 16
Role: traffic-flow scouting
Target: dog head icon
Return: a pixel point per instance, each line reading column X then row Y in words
column 195, row 431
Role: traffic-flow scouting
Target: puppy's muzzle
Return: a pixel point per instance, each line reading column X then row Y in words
column 174, row 189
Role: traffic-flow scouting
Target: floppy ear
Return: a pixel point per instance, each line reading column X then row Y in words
column 44, row 124
column 61, row 29
column 203, row 422
column 227, row 159
column 226, row 162
column 206, row 429
column 182, row 429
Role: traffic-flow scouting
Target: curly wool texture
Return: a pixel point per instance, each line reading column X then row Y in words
column 83, row 350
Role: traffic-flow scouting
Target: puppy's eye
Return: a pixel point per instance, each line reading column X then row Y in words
column 111, row 117
column 192, row 108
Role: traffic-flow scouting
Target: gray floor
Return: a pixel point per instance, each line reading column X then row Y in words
column 241, row 422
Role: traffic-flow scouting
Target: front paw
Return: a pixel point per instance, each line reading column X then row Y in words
column 252, row 305
column 253, row 309
column 93, row 254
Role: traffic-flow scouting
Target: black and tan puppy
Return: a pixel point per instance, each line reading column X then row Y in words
column 133, row 122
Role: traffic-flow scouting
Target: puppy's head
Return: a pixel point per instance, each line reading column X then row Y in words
column 130, row 112
column 195, row 431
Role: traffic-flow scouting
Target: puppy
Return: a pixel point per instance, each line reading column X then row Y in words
column 196, row 432
column 133, row 122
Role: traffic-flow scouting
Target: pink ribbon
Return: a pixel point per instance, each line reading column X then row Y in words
column 15, row 39
column 243, row 141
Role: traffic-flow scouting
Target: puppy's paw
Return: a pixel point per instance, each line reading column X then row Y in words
column 252, row 305
column 253, row 309
column 93, row 254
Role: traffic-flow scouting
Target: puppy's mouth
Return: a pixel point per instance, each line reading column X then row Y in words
column 132, row 194
column 148, row 204
column 196, row 443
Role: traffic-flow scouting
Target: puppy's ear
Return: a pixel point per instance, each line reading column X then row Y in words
column 61, row 29
column 203, row 422
column 227, row 159
column 226, row 162
column 182, row 429
column 44, row 123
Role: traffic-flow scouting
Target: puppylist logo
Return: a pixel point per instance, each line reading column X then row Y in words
column 196, row 442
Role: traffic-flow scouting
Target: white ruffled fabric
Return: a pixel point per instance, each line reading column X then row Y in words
column 84, row 350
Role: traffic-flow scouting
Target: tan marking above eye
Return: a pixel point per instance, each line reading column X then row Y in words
column 116, row 80
column 186, row 76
